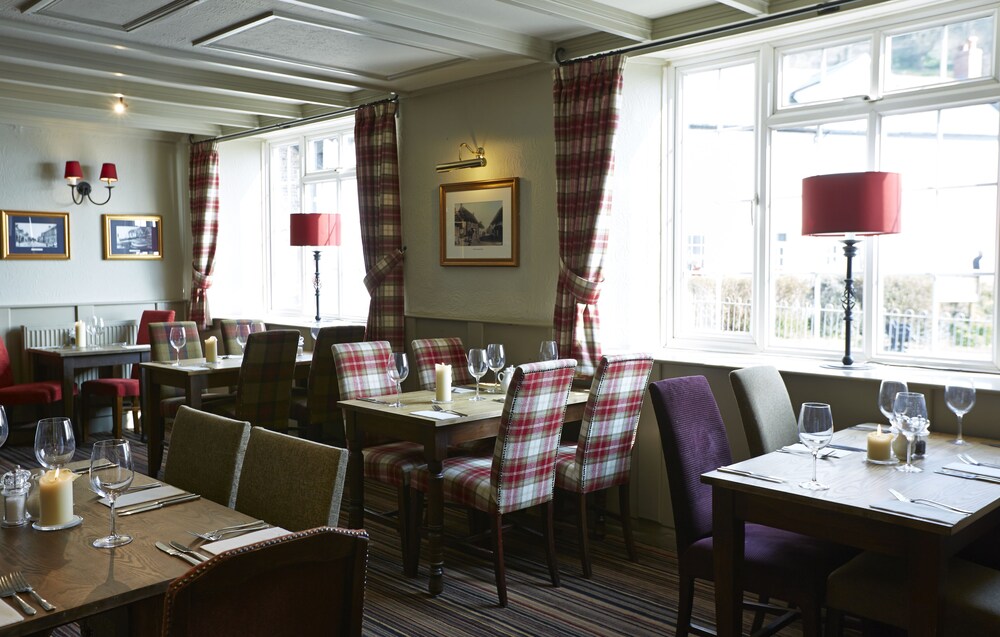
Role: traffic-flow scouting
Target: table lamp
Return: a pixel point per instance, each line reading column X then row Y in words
column 850, row 205
column 316, row 230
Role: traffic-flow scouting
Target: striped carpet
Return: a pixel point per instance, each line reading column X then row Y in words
column 622, row 598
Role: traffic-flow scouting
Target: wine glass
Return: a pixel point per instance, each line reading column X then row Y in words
column 314, row 331
column 178, row 339
column 910, row 413
column 398, row 370
column 960, row 395
column 548, row 351
column 4, row 426
column 54, row 442
column 113, row 478
column 242, row 334
column 95, row 327
column 478, row 364
column 815, row 432
column 496, row 360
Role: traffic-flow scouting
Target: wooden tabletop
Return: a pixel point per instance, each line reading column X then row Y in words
column 93, row 350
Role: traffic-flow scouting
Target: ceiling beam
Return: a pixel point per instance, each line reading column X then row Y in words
column 594, row 15
column 21, row 111
column 753, row 7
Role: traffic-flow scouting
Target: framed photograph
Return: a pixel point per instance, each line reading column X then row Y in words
column 479, row 223
column 133, row 237
column 35, row 235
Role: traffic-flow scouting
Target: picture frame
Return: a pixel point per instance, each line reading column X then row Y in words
column 34, row 235
column 479, row 223
column 133, row 236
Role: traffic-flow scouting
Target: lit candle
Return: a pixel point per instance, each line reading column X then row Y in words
column 211, row 349
column 442, row 382
column 81, row 333
column 879, row 445
column 55, row 496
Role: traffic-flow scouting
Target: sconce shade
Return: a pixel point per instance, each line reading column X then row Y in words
column 109, row 174
column 74, row 172
column 851, row 203
column 315, row 229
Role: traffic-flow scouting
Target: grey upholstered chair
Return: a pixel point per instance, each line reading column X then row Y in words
column 206, row 453
column 290, row 482
column 768, row 416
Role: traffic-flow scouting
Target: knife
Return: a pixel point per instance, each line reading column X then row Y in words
column 750, row 474
column 846, row 448
column 376, row 401
column 159, row 504
column 86, row 469
column 171, row 551
column 945, row 471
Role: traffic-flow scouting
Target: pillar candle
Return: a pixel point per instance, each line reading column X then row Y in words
column 81, row 334
column 211, row 349
column 55, row 496
column 879, row 445
column 442, row 382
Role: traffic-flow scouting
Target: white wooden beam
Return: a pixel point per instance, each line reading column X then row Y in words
column 595, row 15
column 753, row 7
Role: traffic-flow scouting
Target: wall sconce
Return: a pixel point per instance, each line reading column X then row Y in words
column 476, row 162
column 80, row 189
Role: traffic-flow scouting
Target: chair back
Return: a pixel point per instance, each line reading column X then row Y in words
column 362, row 369
column 427, row 352
column 523, row 473
column 765, row 408
column 159, row 341
column 308, row 583
column 694, row 441
column 610, row 420
column 264, row 390
column 291, row 482
column 142, row 335
column 321, row 389
column 206, row 454
column 230, row 328
column 6, row 369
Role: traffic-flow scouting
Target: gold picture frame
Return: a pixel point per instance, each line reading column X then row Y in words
column 34, row 235
column 133, row 236
column 479, row 223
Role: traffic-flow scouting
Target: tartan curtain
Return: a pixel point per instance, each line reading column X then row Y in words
column 203, row 184
column 381, row 229
column 586, row 97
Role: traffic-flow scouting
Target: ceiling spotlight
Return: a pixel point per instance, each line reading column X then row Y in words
column 120, row 105
column 474, row 162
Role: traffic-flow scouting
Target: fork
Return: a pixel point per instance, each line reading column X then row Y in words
column 934, row 503
column 221, row 533
column 22, row 586
column 967, row 459
column 447, row 411
column 190, row 551
column 7, row 590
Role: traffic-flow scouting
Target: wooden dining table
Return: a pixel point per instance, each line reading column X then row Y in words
column 82, row 581
column 481, row 419
column 194, row 376
column 844, row 514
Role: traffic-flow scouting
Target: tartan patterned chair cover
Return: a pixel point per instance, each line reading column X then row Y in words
column 602, row 456
column 521, row 472
column 171, row 398
column 118, row 389
column 316, row 405
column 427, row 352
column 264, row 390
column 228, row 327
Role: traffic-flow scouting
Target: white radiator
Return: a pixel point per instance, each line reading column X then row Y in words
column 113, row 332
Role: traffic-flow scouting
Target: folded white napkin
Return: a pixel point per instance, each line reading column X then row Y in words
column 462, row 390
column 149, row 495
column 8, row 615
column 828, row 452
column 972, row 468
column 242, row 540
column 194, row 367
column 436, row 415
column 918, row 510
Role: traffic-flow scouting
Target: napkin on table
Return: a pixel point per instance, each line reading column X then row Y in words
column 828, row 452
column 242, row 540
column 8, row 615
column 149, row 495
column 436, row 415
column 990, row 472
column 918, row 510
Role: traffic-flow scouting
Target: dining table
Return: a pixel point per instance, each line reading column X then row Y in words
column 82, row 581
column 851, row 512
column 194, row 376
column 471, row 420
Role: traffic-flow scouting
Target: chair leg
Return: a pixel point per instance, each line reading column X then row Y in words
column 834, row 623
column 812, row 624
column 759, row 615
column 550, row 542
column 581, row 504
column 116, row 415
column 136, row 422
column 416, row 521
column 498, row 567
column 625, row 507
column 403, row 519
column 84, row 420
column 685, row 603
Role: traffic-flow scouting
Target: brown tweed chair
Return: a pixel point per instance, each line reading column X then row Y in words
column 206, row 454
column 290, row 482
column 315, row 407
column 229, row 329
column 264, row 391
column 308, row 583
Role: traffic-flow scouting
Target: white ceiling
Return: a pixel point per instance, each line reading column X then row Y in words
column 215, row 66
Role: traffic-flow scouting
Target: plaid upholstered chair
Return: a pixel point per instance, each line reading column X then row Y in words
column 230, row 329
column 116, row 390
column 778, row 564
column 315, row 408
column 264, row 390
column 766, row 410
column 521, row 472
column 206, row 454
column 427, row 352
column 602, row 456
column 308, row 583
column 171, row 398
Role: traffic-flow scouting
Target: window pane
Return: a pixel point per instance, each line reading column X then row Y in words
column 285, row 199
column 946, row 53
column 324, row 153
column 829, row 73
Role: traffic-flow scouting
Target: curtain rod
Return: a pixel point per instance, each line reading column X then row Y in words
column 821, row 9
column 292, row 124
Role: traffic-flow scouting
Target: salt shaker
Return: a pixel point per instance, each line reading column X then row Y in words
column 15, row 495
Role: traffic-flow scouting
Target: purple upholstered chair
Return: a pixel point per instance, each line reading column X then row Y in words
column 779, row 564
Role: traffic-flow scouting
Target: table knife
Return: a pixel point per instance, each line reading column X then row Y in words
column 86, row 469
column 846, row 448
column 750, row 474
column 968, row 475
column 159, row 504
column 171, row 551
column 376, row 401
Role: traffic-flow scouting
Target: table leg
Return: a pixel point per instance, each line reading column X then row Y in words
column 355, row 472
column 69, row 402
column 728, row 542
column 435, row 525
column 927, row 566
column 152, row 421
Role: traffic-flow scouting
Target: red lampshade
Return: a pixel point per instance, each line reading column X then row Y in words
column 315, row 229
column 74, row 173
column 109, row 174
column 851, row 203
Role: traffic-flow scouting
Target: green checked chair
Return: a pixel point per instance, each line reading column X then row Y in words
column 229, row 329
column 171, row 398
column 315, row 408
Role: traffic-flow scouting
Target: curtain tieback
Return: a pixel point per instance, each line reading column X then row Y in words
column 583, row 290
column 201, row 281
column 385, row 265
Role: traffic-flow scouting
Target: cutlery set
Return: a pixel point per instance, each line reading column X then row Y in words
column 13, row 583
column 192, row 556
column 448, row 411
column 157, row 504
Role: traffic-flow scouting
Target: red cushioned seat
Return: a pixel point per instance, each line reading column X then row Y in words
column 44, row 392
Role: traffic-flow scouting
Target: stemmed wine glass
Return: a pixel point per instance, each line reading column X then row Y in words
column 398, row 370
column 242, row 334
column 95, row 327
column 815, row 432
column 4, row 426
column 910, row 413
column 496, row 360
column 548, row 351
column 178, row 339
column 960, row 395
column 111, row 475
column 478, row 364
column 54, row 442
